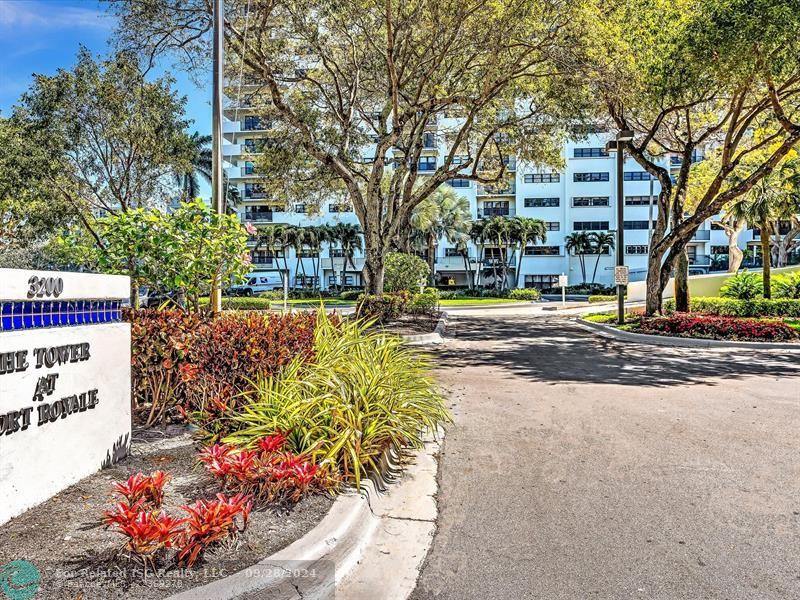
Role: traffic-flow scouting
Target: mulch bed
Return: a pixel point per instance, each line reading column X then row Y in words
column 77, row 556
column 411, row 325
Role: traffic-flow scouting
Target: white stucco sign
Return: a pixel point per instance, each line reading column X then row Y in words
column 64, row 382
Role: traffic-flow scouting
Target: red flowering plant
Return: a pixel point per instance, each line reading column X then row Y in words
column 268, row 473
column 149, row 489
column 212, row 522
column 717, row 327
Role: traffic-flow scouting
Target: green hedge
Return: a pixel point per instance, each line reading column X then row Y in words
column 602, row 298
column 731, row 307
column 525, row 294
column 242, row 303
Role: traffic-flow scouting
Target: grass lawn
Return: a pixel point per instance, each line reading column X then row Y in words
column 316, row 302
column 469, row 301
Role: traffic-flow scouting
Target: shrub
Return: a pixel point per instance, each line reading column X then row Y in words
column 742, row 286
column 382, row 309
column 200, row 363
column 362, row 393
column 212, row 522
column 786, row 285
column 525, row 294
column 404, row 272
column 273, row 295
column 601, row 298
column 424, row 303
column 268, row 473
column 760, row 307
column 729, row 328
column 350, row 295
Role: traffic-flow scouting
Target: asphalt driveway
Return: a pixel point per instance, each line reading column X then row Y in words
column 582, row 468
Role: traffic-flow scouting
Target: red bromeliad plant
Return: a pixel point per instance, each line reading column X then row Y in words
column 212, row 522
column 686, row 324
column 148, row 532
column 269, row 474
column 147, row 488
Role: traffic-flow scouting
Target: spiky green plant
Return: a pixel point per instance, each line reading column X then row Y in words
column 786, row 285
column 742, row 286
column 362, row 394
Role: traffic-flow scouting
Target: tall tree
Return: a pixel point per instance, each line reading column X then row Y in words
column 688, row 75
column 600, row 242
column 526, row 230
column 580, row 244
column 114, row 140
column 355, row 89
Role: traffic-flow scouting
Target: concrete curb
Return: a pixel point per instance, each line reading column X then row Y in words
column 660, row 340
column 436, row 337
column 350, row 547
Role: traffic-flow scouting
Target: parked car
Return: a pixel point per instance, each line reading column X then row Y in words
column 257, row 283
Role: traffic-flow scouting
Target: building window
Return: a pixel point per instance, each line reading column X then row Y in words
column 636, row 224
column 542, row 178
column 495, row 208
column 308, row 253
column 552, row 225
column 336, row 253
column 590, row 152
column 252, row 124
column 300, row 208
column 586, row 177
column 581, row 201
column 458, row 183
column 636, row 249
column 262, row 257
column 250, row 146
column 636, row 176
column 541, row 202
column 254, row 191
column 451, row 252
column 427, row 163
column 639, row 200
column 249, row 168
column 459, row 159
column 258, row 213
column 428, row 140
column 339, row 208
column 543, row 251
column 716, row 227
column 590, row 226
column 720, row 250
column 541, row 282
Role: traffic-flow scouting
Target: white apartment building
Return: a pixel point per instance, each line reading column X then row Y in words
column 581, row 197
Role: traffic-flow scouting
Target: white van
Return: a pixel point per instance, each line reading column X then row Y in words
column 258, row 282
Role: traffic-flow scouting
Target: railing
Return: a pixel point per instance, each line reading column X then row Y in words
column 255, row 195
column 258, row 217
column 700, row 260
column 490, row 190
column 487, row 213
column 702, row 235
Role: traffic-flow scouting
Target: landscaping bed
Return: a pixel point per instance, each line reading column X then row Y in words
column 78, row 556
column 707, row 327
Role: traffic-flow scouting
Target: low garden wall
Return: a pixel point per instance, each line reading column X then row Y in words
column 699, row 285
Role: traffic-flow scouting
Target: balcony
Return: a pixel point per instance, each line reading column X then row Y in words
column 258, row 216
column 454, row 263
column 497, row 190
column 702, row 235
column 496, row 211
column 337, row 264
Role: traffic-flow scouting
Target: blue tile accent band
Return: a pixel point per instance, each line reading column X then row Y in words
column 15, row 316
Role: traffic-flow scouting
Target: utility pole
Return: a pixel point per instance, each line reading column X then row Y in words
column 217, row 187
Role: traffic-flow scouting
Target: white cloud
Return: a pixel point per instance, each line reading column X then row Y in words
column 50, row 15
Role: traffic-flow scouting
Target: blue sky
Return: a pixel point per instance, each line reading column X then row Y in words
column 39, row 36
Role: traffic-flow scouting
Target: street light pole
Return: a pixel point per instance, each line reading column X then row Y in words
column 217, row 187
column 620, row 273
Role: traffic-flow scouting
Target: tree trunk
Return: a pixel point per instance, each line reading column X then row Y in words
column 373, row 268
column 596, row 264
column 656, row 281
column 735, row 254
column 523, row 243
column 682, row 282
column 766, row 256
column 432, row 259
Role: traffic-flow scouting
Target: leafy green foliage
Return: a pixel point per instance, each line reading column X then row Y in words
column 425, row 302
column 362, row 394
column 382, row 309
column 786, row 285
column 759, row 307
column 531, row 294
column 405, row 272
column 742, row 286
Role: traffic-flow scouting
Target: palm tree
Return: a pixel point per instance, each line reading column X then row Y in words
column 348, row 237
column 477, row 236
column 462, row 247
column 299, row 242
column 498, row 230
column 765, row 203
column 600, row 242
column 579, row 244
column 527, row 230
column 201, row 168
column 443, row 214
column 322, row 235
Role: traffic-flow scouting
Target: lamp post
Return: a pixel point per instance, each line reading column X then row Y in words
column 217, row 191
column 618, row 146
